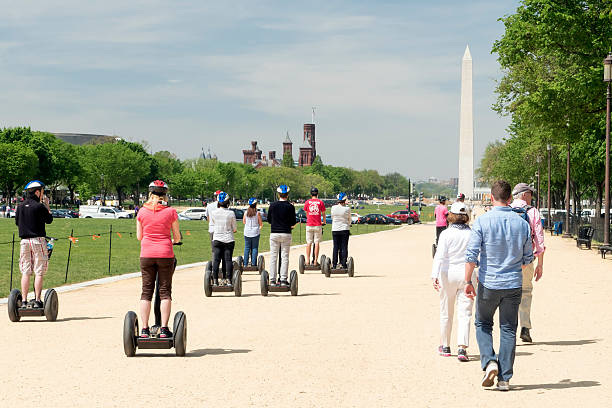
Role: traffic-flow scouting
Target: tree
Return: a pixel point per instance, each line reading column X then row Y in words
column 19, row 166
column 288, row 160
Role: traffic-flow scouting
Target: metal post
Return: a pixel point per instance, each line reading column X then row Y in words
column 538, row 190
column 110, row 247
column 12, row 256
column 69, row 249
column 409, row 195
column 607, row 179
column 567, row 233
column 548, row 217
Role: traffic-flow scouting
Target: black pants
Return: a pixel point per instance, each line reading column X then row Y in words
column 212, row 248
column 438, row 232
column 341, row 239
column 223, row 251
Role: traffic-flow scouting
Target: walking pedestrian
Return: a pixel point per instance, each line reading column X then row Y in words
column 523, row 194
column 447, row 275
column 500, row 244
column 281, row 216
column 252, row 231
column 154, row 224
column 30, row 217
column 441, row 212
column 224, row 222
column 341, row 224
column 315, row 219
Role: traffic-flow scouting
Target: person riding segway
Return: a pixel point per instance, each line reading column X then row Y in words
column 315, row 220
column 341, row 224
column 157, row 229
column 252, row 231
column 34, row 252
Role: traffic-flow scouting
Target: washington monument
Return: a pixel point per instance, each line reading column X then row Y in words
column 466, row 129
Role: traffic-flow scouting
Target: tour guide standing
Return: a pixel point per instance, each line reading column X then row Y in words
column 502, row 239
column 314, row 208
column 341, row 223
column 31, row 217
column 441, row 212
column 281, row 216
column 523, row 194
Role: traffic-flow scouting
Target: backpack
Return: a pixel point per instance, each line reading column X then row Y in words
column 522, row 211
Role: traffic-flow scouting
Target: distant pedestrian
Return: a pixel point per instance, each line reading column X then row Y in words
column 447, row 274
column 341, row 224
column 252, row 231
column 500, row 244
column 523, row 195
column 441, row 212
column 281, row 216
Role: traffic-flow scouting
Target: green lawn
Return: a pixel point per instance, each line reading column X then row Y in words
column 89, row 257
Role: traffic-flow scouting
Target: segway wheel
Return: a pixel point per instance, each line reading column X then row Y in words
column 433, row 250
column 180, row 333
column 130, row 333
column 51, row 305
column 301, row 263
column 240, row 260
column 351, row 266
column 237, row 282
column 13, row 304
column 208, row 279
column 263, row 283
column 293, row 283
column 327, row 267
column 323, row 257
column 261, row 263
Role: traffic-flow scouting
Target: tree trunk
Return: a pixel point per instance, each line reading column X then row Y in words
column 598, row 202
column 119, row 189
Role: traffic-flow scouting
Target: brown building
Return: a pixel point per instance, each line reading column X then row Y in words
column 308, row 150
column 251, row 156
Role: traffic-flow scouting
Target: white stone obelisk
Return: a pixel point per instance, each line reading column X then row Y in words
column 466, row 129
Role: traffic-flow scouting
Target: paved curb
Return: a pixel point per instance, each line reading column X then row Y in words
column 132, row 275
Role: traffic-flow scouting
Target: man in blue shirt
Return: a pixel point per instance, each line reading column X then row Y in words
column 502, row 239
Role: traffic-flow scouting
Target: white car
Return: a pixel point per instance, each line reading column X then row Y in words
column 354, row 217
column 95, row 211
column 196, row 213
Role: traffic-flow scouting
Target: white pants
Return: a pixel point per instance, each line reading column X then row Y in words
column 451, row 292
column 282, row 243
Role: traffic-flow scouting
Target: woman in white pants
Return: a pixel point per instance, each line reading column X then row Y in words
column 448, row 274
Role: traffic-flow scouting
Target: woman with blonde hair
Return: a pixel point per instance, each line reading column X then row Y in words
column 252, row 231
column 447, row 275
column 154, row 224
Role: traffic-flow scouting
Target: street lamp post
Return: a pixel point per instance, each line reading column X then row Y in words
column 538, row 160
column 608, row 79
column 567, row 233
column 101, row 187
column 549, row 149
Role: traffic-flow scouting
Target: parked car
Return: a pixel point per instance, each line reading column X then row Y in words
column 96, row 211
column 300, row 216
column 354, row 217
column 238, row 212
column 263, row 213
column 377, row 219
column 60, row 214
column 196, row 213
column 328, row 219
column 408, row 217
column 72, row 213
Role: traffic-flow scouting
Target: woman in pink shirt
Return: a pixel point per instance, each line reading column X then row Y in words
column 154, row 223
column 441, row 212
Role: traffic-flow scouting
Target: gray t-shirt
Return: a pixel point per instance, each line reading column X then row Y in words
column 224, row 224
column 341, row 217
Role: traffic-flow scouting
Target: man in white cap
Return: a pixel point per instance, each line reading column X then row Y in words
column 523, row 195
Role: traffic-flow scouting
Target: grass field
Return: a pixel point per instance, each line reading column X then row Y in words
column 89, row 256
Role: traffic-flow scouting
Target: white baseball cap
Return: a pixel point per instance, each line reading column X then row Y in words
column 458, row 208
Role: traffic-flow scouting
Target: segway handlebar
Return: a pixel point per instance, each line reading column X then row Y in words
column 177, row 243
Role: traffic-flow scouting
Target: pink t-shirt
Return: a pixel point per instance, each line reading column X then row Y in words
column 314, row 208
column 441, row 212
column 156, row 226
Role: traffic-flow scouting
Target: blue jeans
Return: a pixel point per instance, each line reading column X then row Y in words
column 487, row 302
column 251, row 247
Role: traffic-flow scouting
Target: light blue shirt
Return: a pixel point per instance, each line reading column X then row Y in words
column 502, row 238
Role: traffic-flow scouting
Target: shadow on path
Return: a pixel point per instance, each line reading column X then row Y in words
column 561, row 343
column 567, row 383
column 317, row 294
column 215, row 352
column 67, row 319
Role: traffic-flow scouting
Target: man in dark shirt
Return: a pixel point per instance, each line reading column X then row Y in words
column 281, row 216
column 31, row 216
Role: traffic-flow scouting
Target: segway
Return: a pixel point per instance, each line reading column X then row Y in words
column 329, row 271
column 265, row 282
column 210, row 287
column 18, row 309
column 131, row 331
column 261, row 264
column 312, row 267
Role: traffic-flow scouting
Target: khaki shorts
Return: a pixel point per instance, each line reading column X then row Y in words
column 33, row 256
column 313, row 234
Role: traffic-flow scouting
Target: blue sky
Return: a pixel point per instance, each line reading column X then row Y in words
column 182, row 75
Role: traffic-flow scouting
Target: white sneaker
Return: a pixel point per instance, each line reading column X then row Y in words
column 503, row 385
column 490, row 373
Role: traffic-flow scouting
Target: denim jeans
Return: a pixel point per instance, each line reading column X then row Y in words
column 487, row 302
column 251, row 247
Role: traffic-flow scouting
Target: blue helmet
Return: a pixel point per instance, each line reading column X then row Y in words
column 341, row 196
column 252, row 201
column 283, row 189
column 34, row 185
column 223, row 197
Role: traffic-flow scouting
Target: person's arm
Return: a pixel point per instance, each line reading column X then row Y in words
column 323, row 221
column 270, row 212
column 292, row 221
column 438, row 262
column 538, row 241
column 176, row 232
column 244, row 217
column 259, row 220
column 138, row 230
column 234, row 223
column 471, row 258
column 17, row 211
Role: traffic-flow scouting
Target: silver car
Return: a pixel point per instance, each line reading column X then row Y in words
column 198, row 213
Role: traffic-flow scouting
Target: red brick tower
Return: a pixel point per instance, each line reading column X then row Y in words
column 309, row 134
